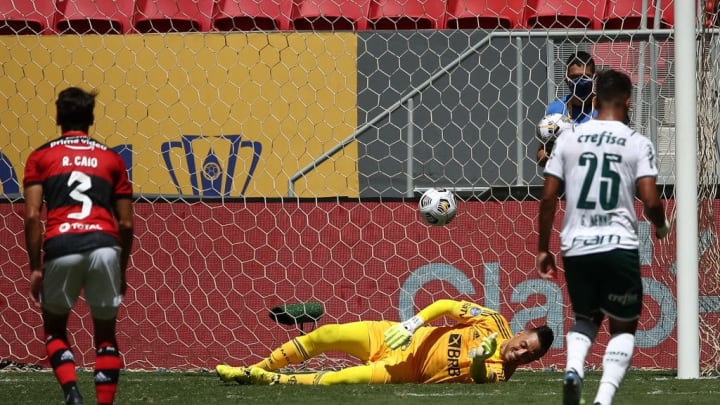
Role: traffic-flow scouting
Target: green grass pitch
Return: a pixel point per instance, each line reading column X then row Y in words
column 526, row 387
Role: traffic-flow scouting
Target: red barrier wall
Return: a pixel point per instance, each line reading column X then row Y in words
column 203, row 276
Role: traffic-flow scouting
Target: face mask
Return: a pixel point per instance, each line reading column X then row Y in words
column 581, row 87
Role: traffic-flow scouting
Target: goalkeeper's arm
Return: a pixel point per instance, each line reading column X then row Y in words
column 479, row 372
column 438, row 309
column 401, row 333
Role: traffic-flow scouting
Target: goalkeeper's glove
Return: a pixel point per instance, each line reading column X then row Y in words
column 401, row 333
column 486, row 350
column 661, row 232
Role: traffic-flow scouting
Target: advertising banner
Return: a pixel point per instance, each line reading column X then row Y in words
column 204, row 276
column 199, row 115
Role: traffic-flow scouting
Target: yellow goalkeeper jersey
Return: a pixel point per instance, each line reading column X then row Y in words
column 440, row 354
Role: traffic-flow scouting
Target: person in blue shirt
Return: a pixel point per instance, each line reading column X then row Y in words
column 579, row 104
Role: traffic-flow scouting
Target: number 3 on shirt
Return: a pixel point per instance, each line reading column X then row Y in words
column 84, row 183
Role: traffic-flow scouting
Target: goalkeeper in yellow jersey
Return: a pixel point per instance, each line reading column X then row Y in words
column 480, row 348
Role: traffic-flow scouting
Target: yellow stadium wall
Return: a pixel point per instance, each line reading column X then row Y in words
column 283, row 98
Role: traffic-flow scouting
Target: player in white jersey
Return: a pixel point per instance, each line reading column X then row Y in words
column 602, row 164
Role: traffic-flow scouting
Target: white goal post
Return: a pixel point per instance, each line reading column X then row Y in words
column 686, row 222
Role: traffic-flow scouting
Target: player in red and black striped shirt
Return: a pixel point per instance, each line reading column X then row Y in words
column 87, row 240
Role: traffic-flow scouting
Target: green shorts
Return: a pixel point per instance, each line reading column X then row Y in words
column 608, row 282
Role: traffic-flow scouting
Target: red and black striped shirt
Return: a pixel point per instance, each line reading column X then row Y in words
column 81, row 180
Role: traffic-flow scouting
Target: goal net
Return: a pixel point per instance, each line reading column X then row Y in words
column 283, row 165
column 708, row 131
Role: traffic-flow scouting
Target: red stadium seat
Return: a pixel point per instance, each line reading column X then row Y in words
column 94, row 16
column 626, row 14
column 406, row 14
column 252, row 15
column 173, row 15
column 563, row 13
column 26, row 16
column 329, row 15
column 484, row 14
column 712, row 8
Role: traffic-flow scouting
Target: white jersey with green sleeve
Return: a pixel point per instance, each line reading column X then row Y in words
column 599, row 163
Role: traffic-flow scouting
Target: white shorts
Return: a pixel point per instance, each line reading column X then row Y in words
column 97, row 272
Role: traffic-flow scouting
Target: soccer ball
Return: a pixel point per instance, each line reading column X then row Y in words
column 437, row 206
column 551, row 126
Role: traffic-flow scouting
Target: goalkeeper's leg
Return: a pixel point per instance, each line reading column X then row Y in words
column 354, row 338
column 374, row 373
